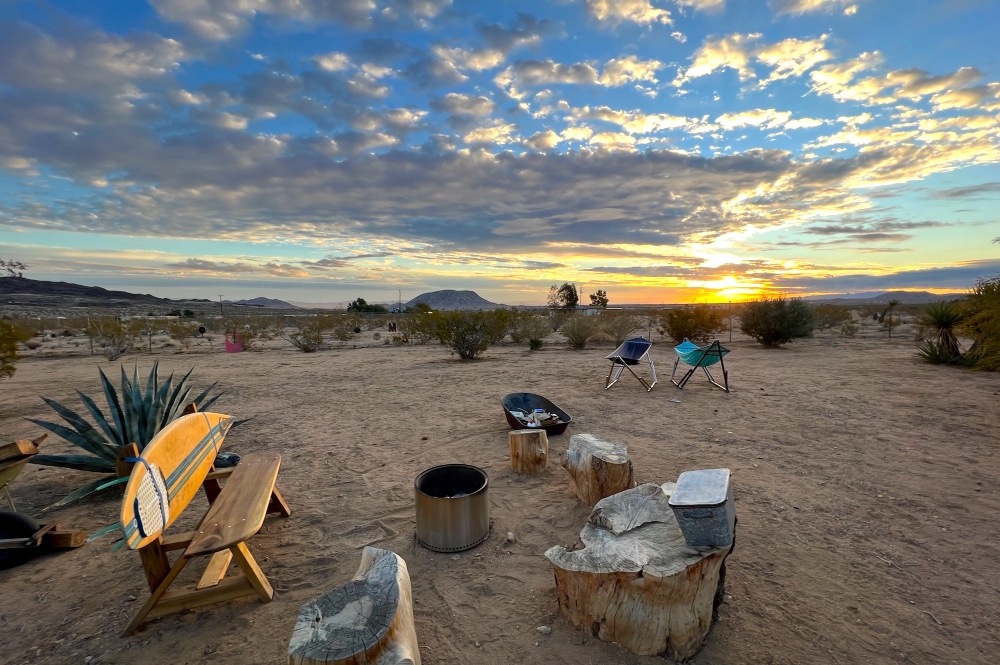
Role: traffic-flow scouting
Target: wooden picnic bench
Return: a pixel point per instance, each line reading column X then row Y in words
column 182, row 454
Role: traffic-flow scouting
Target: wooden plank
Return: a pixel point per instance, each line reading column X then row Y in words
column 155, row 596
column 220, row 474
column 215, row 570
column 17, row 449
column 178, row 541
column 189, row 597
column 277, row 504
column 123, row 468
column 155, row 563
column 239, row 511
column 63, row 539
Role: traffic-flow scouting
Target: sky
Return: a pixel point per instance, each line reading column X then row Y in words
column 661, row 150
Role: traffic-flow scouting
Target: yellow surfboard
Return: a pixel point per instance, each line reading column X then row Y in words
column 168, row 474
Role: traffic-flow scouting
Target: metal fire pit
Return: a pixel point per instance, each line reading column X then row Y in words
column 453, row 507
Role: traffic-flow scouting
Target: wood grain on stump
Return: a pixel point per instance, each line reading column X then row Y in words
column 529, row 450
column 636, row 581
column 598, row 468
column 368, row 621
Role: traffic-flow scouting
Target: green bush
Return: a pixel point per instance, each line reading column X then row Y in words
column 535, row 344
column 469, row 334
column 938, row 327
column 696, row 323
column 778, row 320
column 981, row 322
column 308, row 336
column 578, row 329
column 10, row 335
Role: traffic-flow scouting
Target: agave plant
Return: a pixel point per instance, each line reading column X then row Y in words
column 134, row 418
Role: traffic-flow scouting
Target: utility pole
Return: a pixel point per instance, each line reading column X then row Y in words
column 222, row 312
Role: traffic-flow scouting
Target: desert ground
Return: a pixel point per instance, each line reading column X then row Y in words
column 865, row 486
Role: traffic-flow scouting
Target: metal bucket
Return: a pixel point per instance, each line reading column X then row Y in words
column 453, row 507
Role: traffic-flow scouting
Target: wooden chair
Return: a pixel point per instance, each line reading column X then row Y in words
column 236, row 512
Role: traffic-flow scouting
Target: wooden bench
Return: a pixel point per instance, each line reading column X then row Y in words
column 183, row 452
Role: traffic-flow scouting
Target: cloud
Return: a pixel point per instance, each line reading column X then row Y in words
column 792, row 57
column 837, row 80
column 333, row 62
column 799, row 7
column 985, row 97
column 732, row 51
column 967, row 191
column 635, row 121
column 74, row 58
column 763, row 118
column 272, row 268
column 542, row 141
column 459, row 104
column 916, row 83
column 630, row 68
column 702, row 5
column 614, row 12
column 496, row 133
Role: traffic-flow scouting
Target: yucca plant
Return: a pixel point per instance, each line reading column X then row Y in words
column 941, row 319
column 136, row 417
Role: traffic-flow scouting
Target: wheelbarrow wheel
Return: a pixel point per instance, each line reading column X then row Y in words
column 16, row 525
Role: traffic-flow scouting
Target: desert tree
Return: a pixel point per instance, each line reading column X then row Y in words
column 563, row 297
column 599, row 299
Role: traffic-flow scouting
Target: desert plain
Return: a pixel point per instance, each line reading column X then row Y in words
column 865, row 484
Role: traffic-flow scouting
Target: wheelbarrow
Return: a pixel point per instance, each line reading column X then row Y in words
column 20, row 536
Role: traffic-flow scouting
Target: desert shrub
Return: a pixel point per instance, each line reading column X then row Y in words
column 308, row 333
column 849, row 329
column 526, row 327
column 777, row 320
column 696, row 323
column 182, row 331
column 557, row 319
column 981, row 322
column 578, row 329
column 419, row 327
column 469, row 334
column 536, row 344
column 501, row 321
column 827, row 316
column 619, row 325
column 10, row 335
column 114, row 336
column 343, row 327
column 401, row 339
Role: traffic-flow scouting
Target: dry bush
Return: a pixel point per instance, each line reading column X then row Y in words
column 578, row 329
column 696, row 323
column 114, row 336
column 308, row 333
column 531, row 328
column 469, row 334
column 827, row 315
column 849, row 329
column 10, row 335
column 619, row 325
column 342, row 326
column 778, row 320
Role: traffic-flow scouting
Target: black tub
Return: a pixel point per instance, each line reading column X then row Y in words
column 528, row 402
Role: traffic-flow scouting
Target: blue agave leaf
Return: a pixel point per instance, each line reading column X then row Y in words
column 174, row 403
column 75, row 438
column 101, row 420
column 78, row 462
column 89, row 488
column 111, row 395
column 98, row 444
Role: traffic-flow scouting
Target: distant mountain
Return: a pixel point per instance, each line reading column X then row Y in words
column 41, row 293
column 904, row 297
column 269, row 303
column 450, row 299
column 318, row 305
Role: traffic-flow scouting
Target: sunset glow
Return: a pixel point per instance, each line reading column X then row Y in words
column 663, row 151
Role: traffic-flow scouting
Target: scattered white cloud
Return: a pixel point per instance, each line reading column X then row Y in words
column 545, row 140
column 732, row 52
column 625, row 70
column 792, row 57
column 459, row 104
column 498, row 133
column 333, row 62
column 679, row 36
column 614, row 12
column 799, row 7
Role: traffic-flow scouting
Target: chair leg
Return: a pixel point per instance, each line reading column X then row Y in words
column 253, row 572
column 155, row 596
column 616, row 369
column 652, row 370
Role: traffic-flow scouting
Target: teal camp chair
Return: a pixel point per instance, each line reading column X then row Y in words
column 625, row 357
column 703, row 357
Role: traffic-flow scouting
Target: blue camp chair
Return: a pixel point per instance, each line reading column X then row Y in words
column 703, row 357
column 630, row 353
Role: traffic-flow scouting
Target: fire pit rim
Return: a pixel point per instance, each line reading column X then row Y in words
column 472, row 510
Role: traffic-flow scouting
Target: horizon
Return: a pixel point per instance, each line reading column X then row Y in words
column 671, row 151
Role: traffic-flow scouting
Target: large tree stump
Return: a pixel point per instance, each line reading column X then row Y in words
column 368, row 621
column 529, row 450
column 598, row 468
column 636, row 581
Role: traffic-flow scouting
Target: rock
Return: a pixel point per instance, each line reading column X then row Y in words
column 544, row 630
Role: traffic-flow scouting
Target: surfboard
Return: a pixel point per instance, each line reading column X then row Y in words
column 169, row 473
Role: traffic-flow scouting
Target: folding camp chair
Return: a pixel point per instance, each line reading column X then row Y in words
column 703, row 357
column 630, row 353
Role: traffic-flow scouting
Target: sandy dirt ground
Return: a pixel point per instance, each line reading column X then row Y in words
column 865, row 484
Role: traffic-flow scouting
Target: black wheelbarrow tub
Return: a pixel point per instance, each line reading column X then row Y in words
column 528, row 402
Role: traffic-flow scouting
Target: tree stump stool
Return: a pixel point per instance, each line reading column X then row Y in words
column 635, row 581
column 598, row 468
column 368, row 621
column 529, row 450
